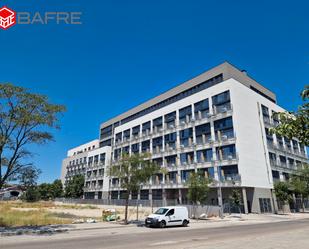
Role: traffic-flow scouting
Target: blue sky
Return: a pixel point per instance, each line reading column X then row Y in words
column 126, row 52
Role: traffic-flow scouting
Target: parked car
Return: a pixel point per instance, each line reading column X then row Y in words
column 168, row 216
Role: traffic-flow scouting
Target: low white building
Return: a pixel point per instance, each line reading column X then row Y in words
column 216, row 123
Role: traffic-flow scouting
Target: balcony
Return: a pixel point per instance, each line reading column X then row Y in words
column 228, row 180
column 227, row 137
column 171, row 183
column 170, row 127
column 157, row 151
column 171, row 165
column 223, row 110
column 157, row 131
column 170, row 150
column 89, row 188
column 115, row 186
column 204, row 163
column 227, row 159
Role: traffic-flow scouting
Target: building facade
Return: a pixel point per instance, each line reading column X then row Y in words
column 216, row 123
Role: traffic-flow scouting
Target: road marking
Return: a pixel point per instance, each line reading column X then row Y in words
column 168, row 242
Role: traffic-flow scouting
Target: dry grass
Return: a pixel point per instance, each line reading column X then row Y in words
column 21, row 204
column 10, row 217
column 66, row 206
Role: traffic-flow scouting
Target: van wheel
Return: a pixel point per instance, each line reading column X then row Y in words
column 162, row 224
column 185, row 223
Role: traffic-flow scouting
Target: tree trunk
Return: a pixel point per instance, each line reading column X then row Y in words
column 194, row 210
column 126, row 211
column 303, row 203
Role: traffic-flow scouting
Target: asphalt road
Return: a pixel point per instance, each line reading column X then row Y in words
column 140, row 238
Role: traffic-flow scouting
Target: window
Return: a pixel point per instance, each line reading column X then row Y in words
column 170, row 140
column 227, row 152
column 146, row 127
column 280, row 141
column 161, row 211
column 224, row 128
column 185, row 174
column 157, row 123
column 187, row 158
column 275, row 174
column 204, row 155
column 265, row 205
column 230, row 171
column 272, row 158
column 102, row 158
column 117, row 153
column 157, row 142
column 185, row 114
column 105, row 143
column 282, row 160
column 201, row 109
column 126, row 150
column 171, row 176
column 169, row 119
column 201, row 106
column 265, row 111
column 126, row 135
column 170, row 212
column 202, row 133
column 269, row 136
column 146, row 146
column 221, row 98
column 170, row 137
column 106, row 132
column 186, row 133
column 295, row 145
column 171, row 161
column 275, row 118
column 186, row 137
column 118, row 137
column 135, row 148
column 135, row 130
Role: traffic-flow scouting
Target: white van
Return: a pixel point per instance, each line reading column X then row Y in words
column 168, row 216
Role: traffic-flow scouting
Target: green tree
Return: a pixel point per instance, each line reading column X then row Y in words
column 57, row 189
column 25, row 119
column 28, row 176
column 197, row 189
column 235, row 199
column 283, row 192
column 133, row 171
column 32, row 194
column 45, row 190
column 300, row 184
column 295, row 124
column 75, row 187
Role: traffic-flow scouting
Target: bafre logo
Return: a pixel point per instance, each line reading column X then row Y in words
column 7, row 17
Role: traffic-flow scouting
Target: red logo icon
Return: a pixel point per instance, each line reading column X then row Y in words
column 7, row 17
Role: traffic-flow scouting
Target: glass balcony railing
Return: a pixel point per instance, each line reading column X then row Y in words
column 231, row 177
column 222, row 108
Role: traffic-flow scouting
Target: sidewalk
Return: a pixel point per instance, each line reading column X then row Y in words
column 229, row 220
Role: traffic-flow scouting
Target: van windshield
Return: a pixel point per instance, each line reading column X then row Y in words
column 161, row 211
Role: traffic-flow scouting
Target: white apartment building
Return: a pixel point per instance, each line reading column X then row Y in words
column 216, row 123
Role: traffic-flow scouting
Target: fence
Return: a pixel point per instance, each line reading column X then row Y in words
column 295, row 205
column 117, row 202
column 194, row 210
